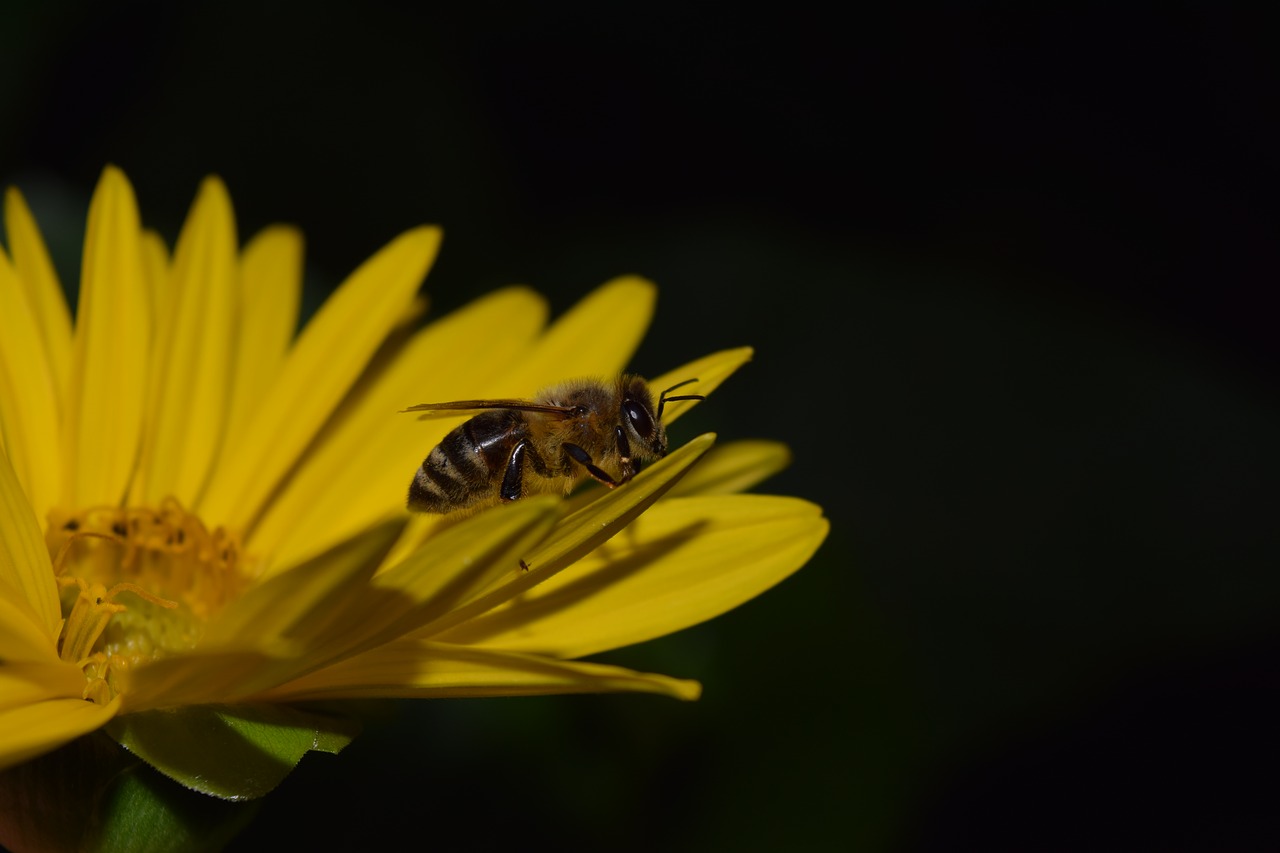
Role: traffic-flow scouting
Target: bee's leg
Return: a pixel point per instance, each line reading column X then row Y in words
column 513, row 479
column 584, row 459
column 624, row 451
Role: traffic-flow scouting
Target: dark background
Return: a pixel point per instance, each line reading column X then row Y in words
column 1011, row 278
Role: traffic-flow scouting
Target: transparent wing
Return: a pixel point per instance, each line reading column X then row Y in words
column 481, row 405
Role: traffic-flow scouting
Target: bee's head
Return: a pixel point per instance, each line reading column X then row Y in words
column 642, row 419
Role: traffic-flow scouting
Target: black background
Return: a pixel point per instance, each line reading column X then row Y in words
column 1010, row 275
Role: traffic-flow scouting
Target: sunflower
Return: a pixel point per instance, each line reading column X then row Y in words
column 202, row 517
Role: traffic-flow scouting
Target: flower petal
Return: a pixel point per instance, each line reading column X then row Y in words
column 423, row 669
column 28, row 395
column 461, row 561
column 29, row 730
column 300, row 603
column 710, row 371
column 112, row 340
column 22, row 638
column 27, row 683
column 326, row 609
column 597, row 337
column 582, row 532
column 351, row 478
column 35, row 269
column 26, row 574
column 734, row 467
column 328, row 357
column 270, row 288
column 204, row 677
column 189, row 402
column 681, row 563
column 155, row 263
column 256, row 641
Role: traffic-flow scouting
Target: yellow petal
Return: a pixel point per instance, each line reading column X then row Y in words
column 109, row 361
column 582, row 532
column 297, row 604
column 734, row 467
column 423, row 669
column 28, row 396
column 597, row 337
column 270, row 291
column 461, row 562
column 26, row 683
column 205, row 677
column 348, row 615
column 325, row 609
column 189, row 403
column 25, row 570
column 155, row 263
column 361, row 468
column 162, row 292
column 264, row 637
column 31, row 260
column 710, row 371
column 681, row 563
column 23, row 639
column 30, row 730
column 419, row 528
column 330, row 354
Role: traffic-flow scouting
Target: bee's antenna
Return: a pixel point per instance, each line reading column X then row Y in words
column 663, row 399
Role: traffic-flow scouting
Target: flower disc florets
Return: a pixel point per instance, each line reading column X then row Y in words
column 138, row 584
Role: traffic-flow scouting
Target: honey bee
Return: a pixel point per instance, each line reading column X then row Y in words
column 517, row 448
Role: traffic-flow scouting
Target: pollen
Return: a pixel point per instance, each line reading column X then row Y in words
column 138, row 584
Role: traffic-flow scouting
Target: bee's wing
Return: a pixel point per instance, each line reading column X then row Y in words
column 480, row 405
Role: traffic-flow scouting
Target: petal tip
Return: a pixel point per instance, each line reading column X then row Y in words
column 631, row 282
column 113, row 175
column 687, row 691
column 214, row 189
column 425, row 235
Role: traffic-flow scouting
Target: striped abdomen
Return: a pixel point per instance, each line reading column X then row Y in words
column 466, row 468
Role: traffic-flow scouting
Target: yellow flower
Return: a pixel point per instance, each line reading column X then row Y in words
column 199, row 510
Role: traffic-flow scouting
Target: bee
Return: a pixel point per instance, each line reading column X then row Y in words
column 517, row 448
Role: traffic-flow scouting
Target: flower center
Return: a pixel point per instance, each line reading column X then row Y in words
column 138, row 583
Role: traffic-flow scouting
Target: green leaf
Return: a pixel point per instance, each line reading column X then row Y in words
column 91, row 794
column 147, row 812
column 236, row 752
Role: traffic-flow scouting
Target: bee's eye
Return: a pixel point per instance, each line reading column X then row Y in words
column 640, row 419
